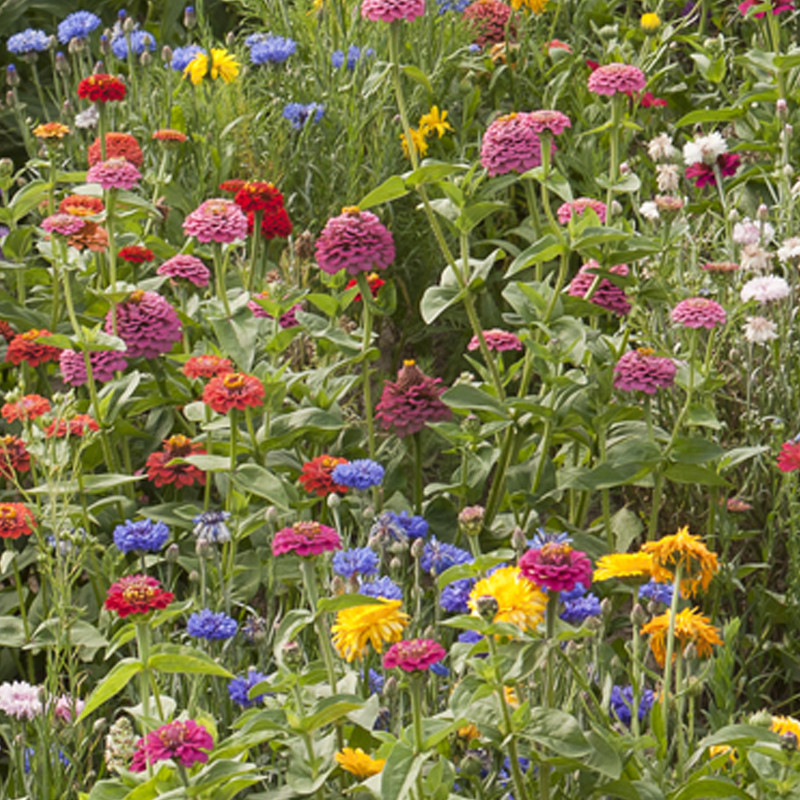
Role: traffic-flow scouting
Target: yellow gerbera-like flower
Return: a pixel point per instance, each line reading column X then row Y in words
column 377, row 624
column 50, row 130
column 224, row 65
column 196, row 69
column 519, row 601
column 417, row 140
column 721, row 750
column 691, row 627
column 623, row 565
column 650, row 21
column 697, row 563
column 536, row 6
column 358, row 763
column 786, row 725
column 435, row 122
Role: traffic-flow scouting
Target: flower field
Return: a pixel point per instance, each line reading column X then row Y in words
column 400, row 400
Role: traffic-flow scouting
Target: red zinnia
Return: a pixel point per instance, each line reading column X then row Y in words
column 184, row 741
column 414, row 655
column 6, row 331
column 234, row 390
column 373, row 281
column 28, row 407
column 14, row 456
column 232, row 185
column 207, row 366
column 78, row 425
column 789, row 458
column 24, row 347
column 262, row 197
column 161, row 472
column 169, row 135
column 136, row 594
column 306, row 539
column 118, row 145
column 101, row 88
column 316, row 475
column 556, row 567
column 136, row 254
column 81, row 205
column 15, row 520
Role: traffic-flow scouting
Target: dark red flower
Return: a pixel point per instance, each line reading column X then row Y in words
column 373, row 281
column 118, row 145
column 316, row 475
column 101, row 88
column 16, row 520
column 28, row 407
column 207, row 366
column 234, row 390
column 6, row 331
column 413, row 655
column 232, row 185
column 14, row 456
column 162, row 473
column 136, row 254
column 24, row 347
column 136, row 594
column 703, row 174
column 78, row 425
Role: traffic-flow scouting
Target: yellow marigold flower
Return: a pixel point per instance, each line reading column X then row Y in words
column 697, row 563
column 357, row 762
column 519, row 601
column 721, row 749
column 623, row 565
column 196, row 69
column 650, row 21
column 469, row 732
column 224, row 65
column 435, row 121
column 536, row 6
column 50, row 130
column 417, row 140
column 377, row 624
column 786, row 725
column 691, row 627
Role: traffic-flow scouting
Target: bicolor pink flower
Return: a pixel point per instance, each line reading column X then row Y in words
column 698, row 312
column 511, row 144
column 183, row 266
column 703, row 174
column 556, row 567
column 183, row 741
column 567, row 210
column 355, row 241
column 392, row 10
column 547, row 119
column 216, row 220
column 413, row 655
column 147, row 324
column 606, row 294
column 63, row 224
column 104, row 364
column 497, row 340
column 640, row 370
column 20, row 700
column 612, row 78
column 115, row 173
column 306, row 539
column 489, row 20
column 777, row 7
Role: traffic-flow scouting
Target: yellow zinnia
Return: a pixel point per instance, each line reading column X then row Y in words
column 358, row 763
column 784, row 725
column 50, row 130
column 435, row 121
column 376, row 624
column 519, row 601
column 691, row 627
column 623, row 565
column 697, row 563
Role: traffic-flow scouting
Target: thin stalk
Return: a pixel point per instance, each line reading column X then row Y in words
column 613, row 170
column 670, row 649
column 366, row 324
column 416, row 441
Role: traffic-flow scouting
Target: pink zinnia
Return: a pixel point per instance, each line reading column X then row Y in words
column 63, row 224
column 392, row 10
column 183, row 741
column 147, row 324
column 104, row 364
column 216, row 220
column 556, row 567
column 489, row 21
column 612, row 78
column 497, row 340
column 20, row 700
column 606, row 294
column 355, row 241
column 116, row 173
column 789, row 457
column 703, row 174
column 549, row 120
column 511, row 144
column 306, row 539
column 698, row 312
column 567, row 210
column 185, row 267
column 286, row 320
column 777, row 8
column 413, row 655
column 643, row 371
column 413, row 400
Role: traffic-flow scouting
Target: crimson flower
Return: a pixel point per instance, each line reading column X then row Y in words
column 101, row 88
column 789, row 457
column 136, row 594
column 184, row 741
column 413, row 655
column 30, row 406
column 136, row 254
column 316, row 475
column 78, row 425
column 373, row 281
column 14, row 456
column 233, row 390
column 161, row 472
column 703, row 174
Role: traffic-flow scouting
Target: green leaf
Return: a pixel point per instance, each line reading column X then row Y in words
column 257, row 480
column 694, row 450
column 113, row 683
column 694, row 473
column 207, row 463
column 592, row 237
column 108, row 790
column 431, row 173
column 328, row 710
column 559, row 731
column 471, row 398
column 438, row 299
column 12, row 632
column 237, row 338
column 706, row 787
column 400, row 772
column 709, row 115
column 392, row 188
column 703, row 417
column 740, row 454
column 348, row 600
column 545, row 249
column 176, row 658
column 475, row 213
column 294, row 621
column 416, row 74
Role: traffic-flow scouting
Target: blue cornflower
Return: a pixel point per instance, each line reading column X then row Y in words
column 376, row 681
column 207, row 624
column 356, row 561
column 254, row 629
column 470, row 637
column 452, row 5
column 455, row 595
column 542, row 537
column 210, row 527
column 440, row 670
column 660, row 592
column 31, row 40
column 140, row 41
column 474, row 48
column 182, row 56
column 354, row 54
column 440, row 556
column 387, row 526
column 579, row 590
column 239, row 688
column 269, row 49
column 361, row 473
column 298, row 114
column 77, row 25
column 337, row 58
column 381, row 587
column 621, row 703
column 576, row 611
column 29, row 752
column 143, row 535
column 407, row 526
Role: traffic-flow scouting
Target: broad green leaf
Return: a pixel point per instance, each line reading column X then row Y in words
column 349, row 600
column 431, row 173
column 471, row 398
column 709, row 115
column 557, row 730
column 400, row 772
column 436, row 300
column 390, row 189
column 12, row 632
column 207, row 463
column 694, row 473
column 706, row 787
column 176, row 658
column 257, row 480
column 416, row 74
column 544, row 249
column 328, row 710
column 113, row 683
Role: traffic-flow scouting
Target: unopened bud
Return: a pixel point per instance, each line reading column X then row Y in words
column 99, row 725
column 271, row 515
column 471, row 764
column 173, row 551
column 788, row 170
column 417, row 548
column 338, row 586
column 66, row 106
column 763, row 212
column 230, row 39
column 471, row 425
column 33, row 583
column 487, row 607
column 194, row 576
column 368, row 513
column 390, row 687
column 129, row 25
column 52, row 42
column 334, row 501
column 145, row 58
column 780, row 106
column 292, row 655
column 616, row 208
column 789, row 741
column 624, row 168
column 6, row 168
column 395, row 564
column 605, row 607
column 202, row 548
column 690, row 651
column 189, row 18
column 518, row 540
column 166, row 54
column 733, row 215
column 12, row 76
column 76, row 45
column 105, row 44
column 470, row 520
column 10, row 99
column 638, row 615
column 62, row 64
column 571, row 649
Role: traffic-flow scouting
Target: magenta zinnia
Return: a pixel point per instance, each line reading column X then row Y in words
column 116, row 173
column 643, row 371
column 413, row 655
column 556, row 567
column 104, row 364
column 498, row 340
column 63, row 224
column 567, row 210
column 185, row 267
column 306, row 539
column 147, row 324
column 216, row 220
column 511, row 144
column 183, row 741
column 547, row 119
column 392, row 10
column 355, row 241
column 612, row 78
column 698, row 312
column 606, row 294
column 413, row 400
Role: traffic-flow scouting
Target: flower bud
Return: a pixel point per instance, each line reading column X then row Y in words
column 293, row 656
column 166, row 54
column 624, row 168
column 62, row 64
column 6, row 168
column 733, row 215
column 189, row 18
column 334, row 501
column 194, row 576
column 487, row 607
column 616, row 209
column 518, row 540
column 763, row 212
column 12, row 76
column 338, row 586
column 417, row 548
column 230, row 39
column 145, row 58
column 99, row 725
column 471, row 764
column 638, row 615
column 105, row 44
column 789, row 742
column 173, row 551
column 780, row 106
column 76, row 45
column 271, row 515
column 470, row 520
column 395, row 564
column 129, row 25
column 52, row 42
column 203, row 548
column 471, row 425
column 390, row 687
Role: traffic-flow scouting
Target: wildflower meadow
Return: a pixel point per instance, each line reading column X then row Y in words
column 400, row 399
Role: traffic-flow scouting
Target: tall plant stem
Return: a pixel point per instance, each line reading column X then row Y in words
column 670, row 649
column 614, row 137
column 366, row 324
column 416, row 443
column 310, row 583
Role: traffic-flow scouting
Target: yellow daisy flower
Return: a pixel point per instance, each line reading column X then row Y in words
column 378, row 624
column 623, row 565
column 784, row 725
column 224, row 65
column 417, row 140
column 698, row 564
column 519, row 601
column 50, row 130
column 690, row 627
column 650, row 21
column 435, row 122
column 536, row 6
column 358, row 763
column 196, row 69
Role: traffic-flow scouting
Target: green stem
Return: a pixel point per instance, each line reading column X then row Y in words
column 143, row 645
column 614, row 136
column 220, row 267
column 366, row 322
column 551, row 614
column 308, row 572
column 670, row 649
column 416, row 441
column 254, row 257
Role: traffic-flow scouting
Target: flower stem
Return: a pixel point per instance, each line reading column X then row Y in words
column 366, row 299
column 670, row 649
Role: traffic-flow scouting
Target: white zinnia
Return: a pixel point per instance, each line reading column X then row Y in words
column 661, row 148
column 760, row 330
column 649, row 210
column 765, row 289
column 705, row 149
column 667, row 178
column 790, row 249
